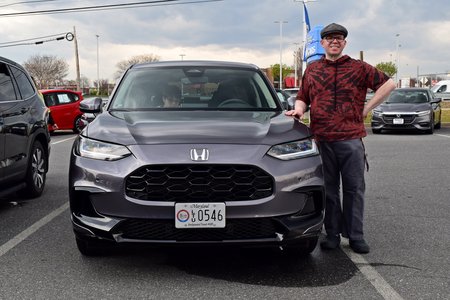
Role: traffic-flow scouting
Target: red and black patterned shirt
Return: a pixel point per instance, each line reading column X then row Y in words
column 336, row 91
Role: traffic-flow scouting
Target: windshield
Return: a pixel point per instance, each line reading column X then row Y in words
column 408, row 97
column 187, row 88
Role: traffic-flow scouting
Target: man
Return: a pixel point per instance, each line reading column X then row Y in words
column 335, row 87
column 171, row 96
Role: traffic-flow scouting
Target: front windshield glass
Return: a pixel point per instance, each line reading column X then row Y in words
column 187, row 88
column 413, row 96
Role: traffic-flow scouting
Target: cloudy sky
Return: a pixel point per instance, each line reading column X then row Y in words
column 237, row 30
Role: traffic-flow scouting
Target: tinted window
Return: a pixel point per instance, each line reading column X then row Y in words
column 6, row 85
column 25, row 86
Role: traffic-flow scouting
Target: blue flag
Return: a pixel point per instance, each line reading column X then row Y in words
column 308, row 25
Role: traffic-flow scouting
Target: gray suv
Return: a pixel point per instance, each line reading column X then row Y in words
column 24, row 137
column 199, row 153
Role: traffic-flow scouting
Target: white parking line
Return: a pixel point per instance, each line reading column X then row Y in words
column 378, row 282
column 32, row 229
column 443, row 135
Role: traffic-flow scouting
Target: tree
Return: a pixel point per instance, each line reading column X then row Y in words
column 124, row 64
column 104, row 85
column 387, row 67
column 276, row 72
column 47, row 70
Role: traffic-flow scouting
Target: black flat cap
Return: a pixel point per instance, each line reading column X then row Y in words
column 333, row 28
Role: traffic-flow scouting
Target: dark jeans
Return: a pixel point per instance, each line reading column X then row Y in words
column 344, row 161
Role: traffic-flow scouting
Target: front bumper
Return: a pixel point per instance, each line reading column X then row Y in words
column 102, row 209
column 277, row 230
column 410, row 122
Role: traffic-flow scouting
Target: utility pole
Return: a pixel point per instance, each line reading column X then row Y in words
column 77, row 59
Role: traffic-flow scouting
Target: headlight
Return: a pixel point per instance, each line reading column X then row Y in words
column 294, row 150
column 376, row 113
column 423, row 113
column 100, row 150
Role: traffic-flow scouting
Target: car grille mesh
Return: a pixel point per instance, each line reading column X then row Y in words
column 407, row 119
column 205, row 183
column 164, row 230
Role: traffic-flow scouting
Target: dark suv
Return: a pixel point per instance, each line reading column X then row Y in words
column 24, row 137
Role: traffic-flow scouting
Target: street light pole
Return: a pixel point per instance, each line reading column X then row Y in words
column 98, row 70
column 182, row 56
column 296, row 55
column 396, row 58
column 280, row 83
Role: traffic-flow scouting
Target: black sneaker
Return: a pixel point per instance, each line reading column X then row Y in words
column 330, row 242
column 359, row 246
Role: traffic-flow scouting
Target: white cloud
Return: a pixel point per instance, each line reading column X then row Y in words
column 235, row 30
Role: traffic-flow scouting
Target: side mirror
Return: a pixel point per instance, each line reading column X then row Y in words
column 436, row 100
column 92, row 105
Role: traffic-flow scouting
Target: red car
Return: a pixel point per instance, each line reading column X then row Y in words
column 64, row 109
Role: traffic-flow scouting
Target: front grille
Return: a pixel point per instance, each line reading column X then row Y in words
column 164, row 230
column 407, row 118
column 199, row 183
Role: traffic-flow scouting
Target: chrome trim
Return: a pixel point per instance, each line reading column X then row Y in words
column 103, row 223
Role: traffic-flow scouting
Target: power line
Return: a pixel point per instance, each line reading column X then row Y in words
column 25, row 2
column 31, row 39
column 105, row 7
column 69, row 36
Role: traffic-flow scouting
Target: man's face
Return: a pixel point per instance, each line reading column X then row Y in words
column 171, row 101
column 333, row 44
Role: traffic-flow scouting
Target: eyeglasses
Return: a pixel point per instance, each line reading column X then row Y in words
column 331, row 38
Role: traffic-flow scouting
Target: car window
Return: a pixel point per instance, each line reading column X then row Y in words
column 414, row 96
column 193, row 88
column 6, row 85
column 65, row 98
column 52, row 99
column 25, row 86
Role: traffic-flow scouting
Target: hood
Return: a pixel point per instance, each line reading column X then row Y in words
column 193, row 127
column 404, row 107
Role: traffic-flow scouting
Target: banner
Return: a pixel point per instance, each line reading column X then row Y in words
column 307, row 24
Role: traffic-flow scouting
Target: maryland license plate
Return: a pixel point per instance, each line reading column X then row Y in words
column 199, row 215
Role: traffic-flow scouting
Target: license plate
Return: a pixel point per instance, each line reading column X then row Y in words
column 199, row 215
column 398, row 121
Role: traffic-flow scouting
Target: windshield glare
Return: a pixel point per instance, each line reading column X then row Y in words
column 185, row 88
column 408, row 97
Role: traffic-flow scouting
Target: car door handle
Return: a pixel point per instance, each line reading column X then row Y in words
column 24, row 110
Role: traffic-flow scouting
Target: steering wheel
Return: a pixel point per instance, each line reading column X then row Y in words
column 234, row 102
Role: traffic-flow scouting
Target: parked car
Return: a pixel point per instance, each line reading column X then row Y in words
column 224, row 166
column 283, row 96
column 291, row 91
column 64, row 109
column 442, row 89
column 406, row 109
column 24, row 138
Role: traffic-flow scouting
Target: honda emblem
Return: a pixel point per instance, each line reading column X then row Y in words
column 199, row 154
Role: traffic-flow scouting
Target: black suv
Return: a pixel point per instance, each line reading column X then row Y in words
column 24, row 137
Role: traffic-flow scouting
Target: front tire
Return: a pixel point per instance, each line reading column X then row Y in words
column 77, row 125
column 36, row 172
column 431, row 130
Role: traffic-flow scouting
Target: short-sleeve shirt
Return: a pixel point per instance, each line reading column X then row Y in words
column 336, row 92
